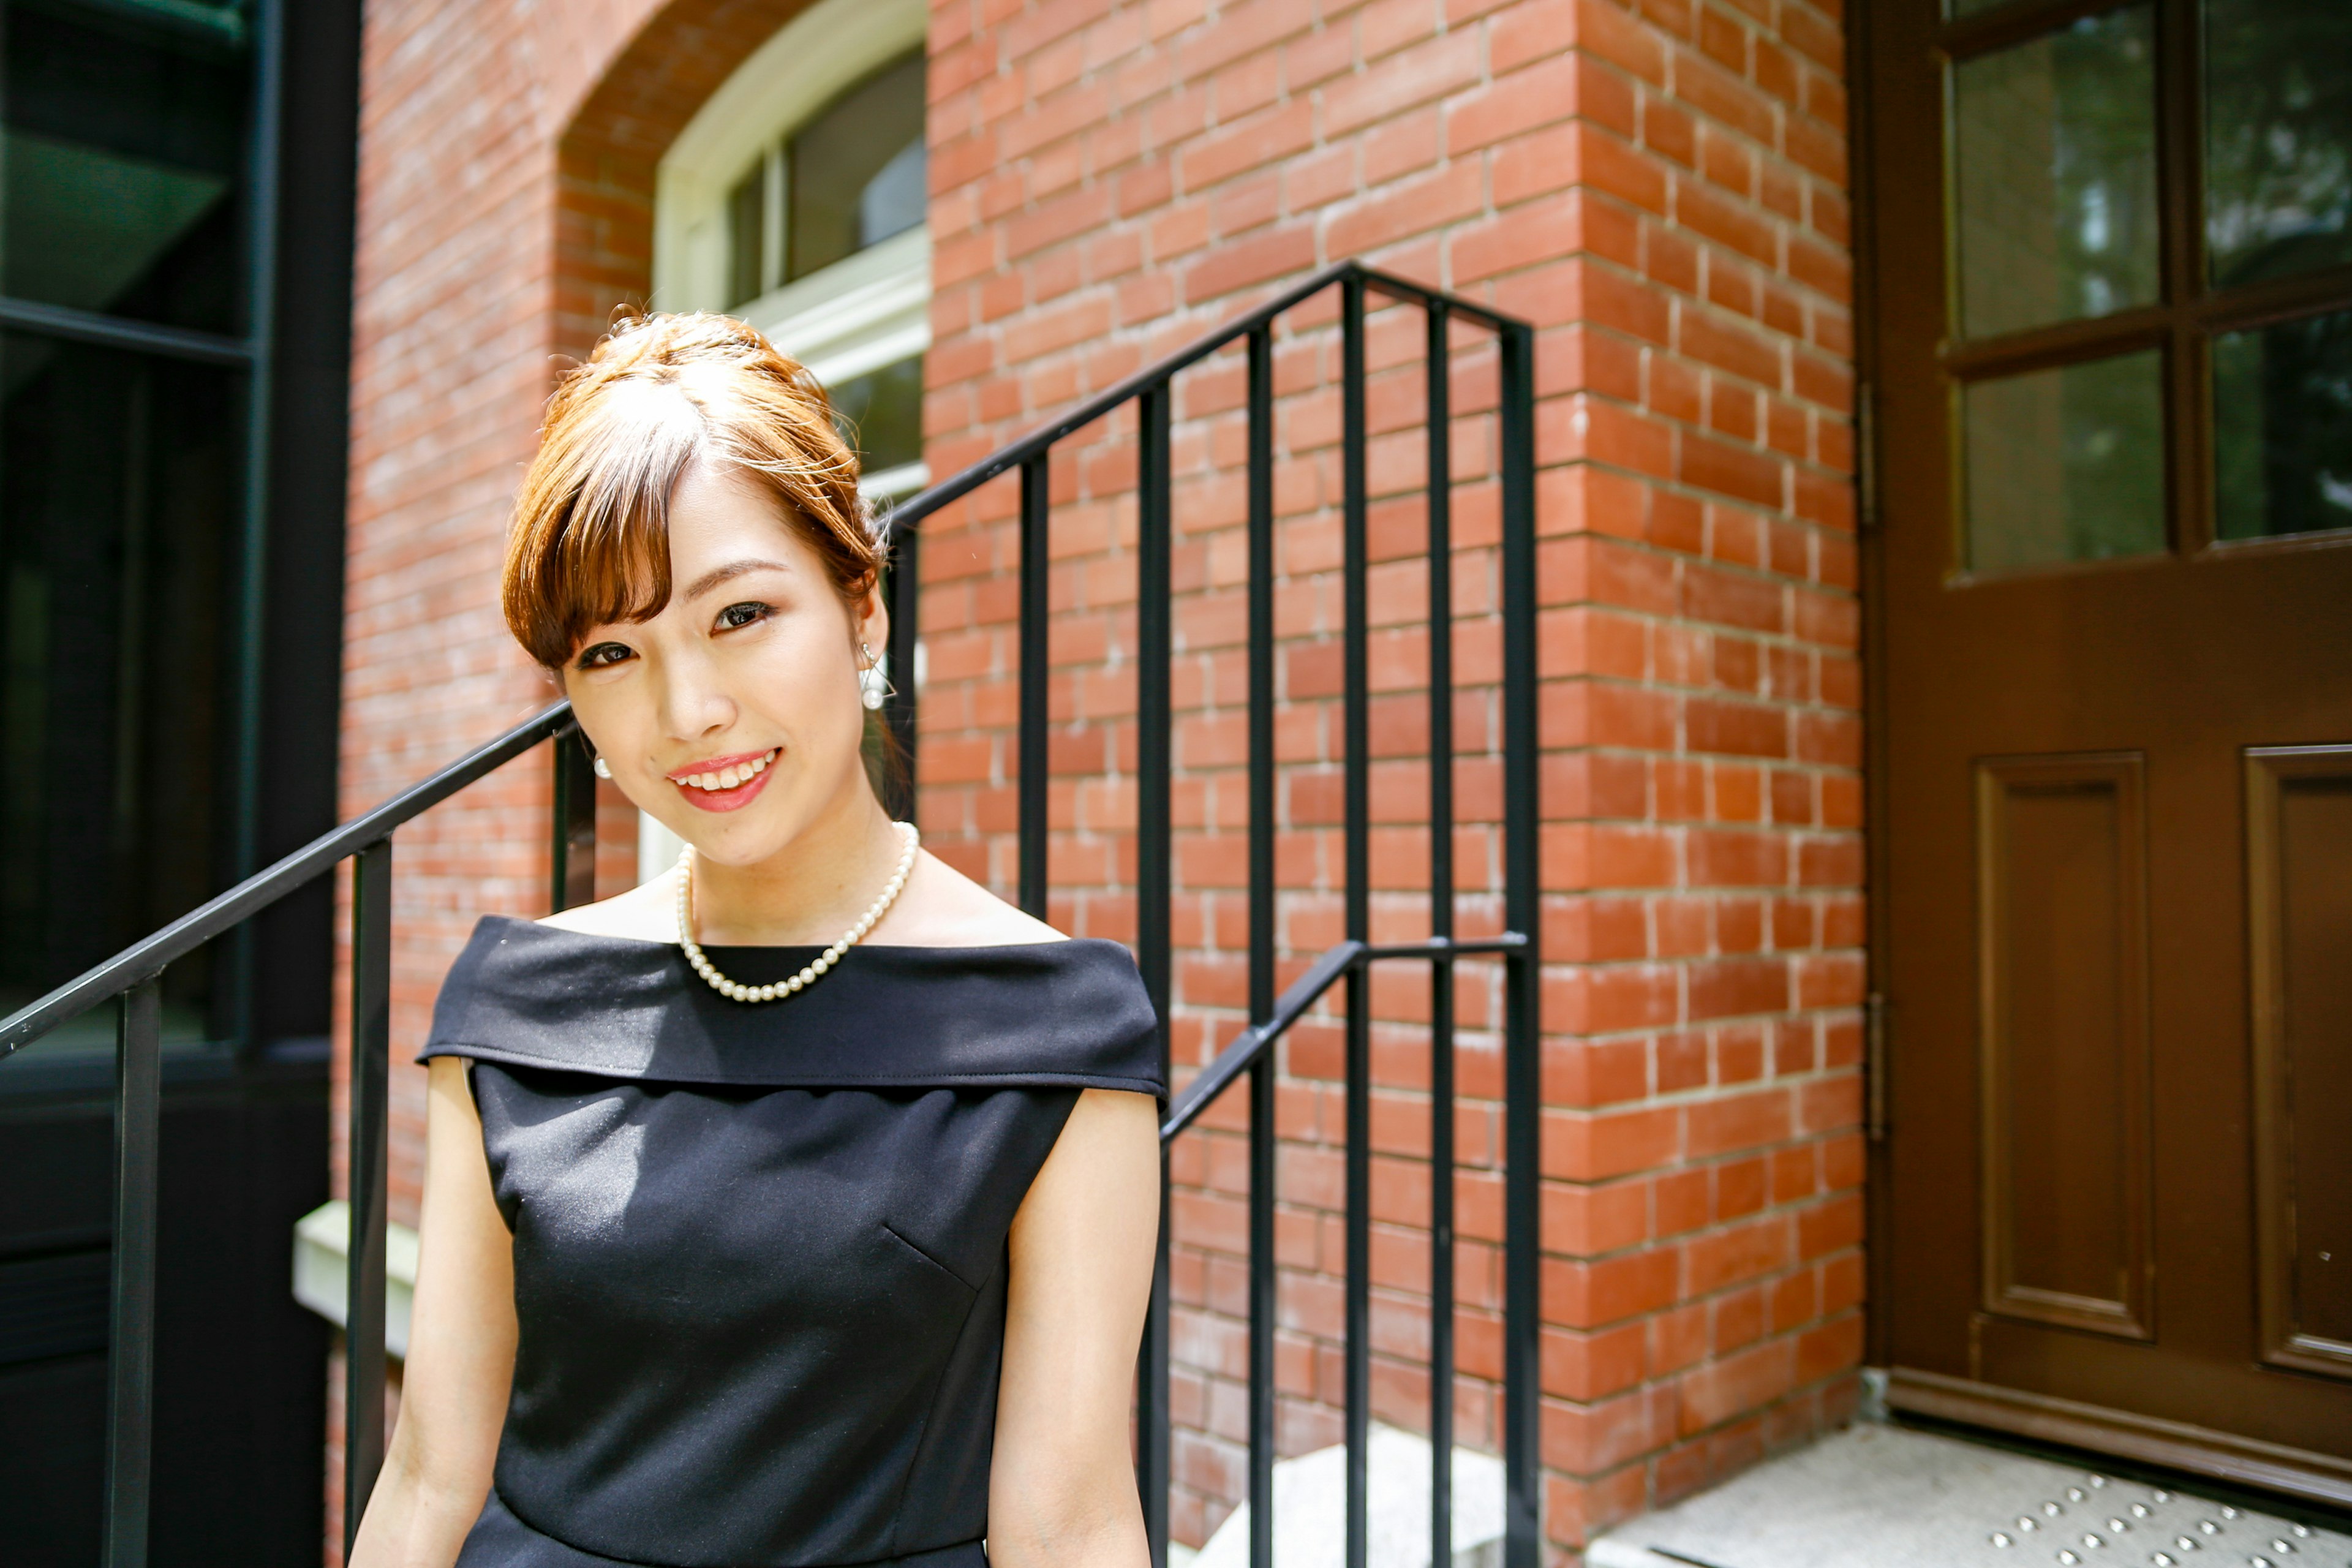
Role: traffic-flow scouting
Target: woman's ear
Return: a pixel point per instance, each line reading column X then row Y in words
column 873, row 617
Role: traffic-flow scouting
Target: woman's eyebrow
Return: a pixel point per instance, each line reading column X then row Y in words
column 718, row 575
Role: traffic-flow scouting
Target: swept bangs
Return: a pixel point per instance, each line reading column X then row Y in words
column 590, row 545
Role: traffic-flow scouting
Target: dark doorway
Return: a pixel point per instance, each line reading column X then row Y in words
column 175, row 226
column 2112, row 345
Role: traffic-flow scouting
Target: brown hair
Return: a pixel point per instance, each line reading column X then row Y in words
column 591, row 539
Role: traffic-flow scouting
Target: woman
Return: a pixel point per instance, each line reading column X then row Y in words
column 797, row 1207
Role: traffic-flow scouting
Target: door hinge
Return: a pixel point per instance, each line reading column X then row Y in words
column 1873, row 1065
column 1866, row 456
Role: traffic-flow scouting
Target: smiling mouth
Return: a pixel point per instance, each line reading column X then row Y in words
column 730, row 786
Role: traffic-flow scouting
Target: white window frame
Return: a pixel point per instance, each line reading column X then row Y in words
column 865, row 311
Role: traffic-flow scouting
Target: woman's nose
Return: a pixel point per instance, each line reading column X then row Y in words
column 693, row 704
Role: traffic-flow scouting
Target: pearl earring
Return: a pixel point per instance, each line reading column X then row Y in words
column 871, row 688
column 603, row 769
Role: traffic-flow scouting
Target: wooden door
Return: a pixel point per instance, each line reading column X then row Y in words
column 2109, row 262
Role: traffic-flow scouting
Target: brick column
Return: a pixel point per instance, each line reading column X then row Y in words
column 1661, row 187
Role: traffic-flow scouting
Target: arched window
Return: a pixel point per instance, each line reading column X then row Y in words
column 796, row 199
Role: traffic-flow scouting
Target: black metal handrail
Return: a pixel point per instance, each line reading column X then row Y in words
column 1252, row 1052
column 1248, row 1047
column 147, row 958
column 133, row 976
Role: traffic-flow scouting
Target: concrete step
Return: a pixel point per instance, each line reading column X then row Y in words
column 1310, row 1496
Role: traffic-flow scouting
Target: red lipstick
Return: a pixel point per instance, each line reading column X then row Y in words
column 726, row 796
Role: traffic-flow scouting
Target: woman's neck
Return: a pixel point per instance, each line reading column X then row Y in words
column 808, row 892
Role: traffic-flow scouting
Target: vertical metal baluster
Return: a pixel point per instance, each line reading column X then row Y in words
column 1522, row 966
column 1441, row 924
column 1260, row 958
column 1153, row 615
column 131, row 1342
column 370, row 1096
column 572, row 856
column 903, row 590
column 1036, row 506
column 1357, row 725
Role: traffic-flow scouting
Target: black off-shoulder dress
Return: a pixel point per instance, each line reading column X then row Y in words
column 759, row 1251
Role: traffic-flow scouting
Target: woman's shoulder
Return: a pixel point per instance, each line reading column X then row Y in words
column 942, row 907
column 647, row 912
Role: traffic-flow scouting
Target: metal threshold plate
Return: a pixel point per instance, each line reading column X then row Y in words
column 1883, row 1496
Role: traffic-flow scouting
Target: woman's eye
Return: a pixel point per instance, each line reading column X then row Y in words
column 604, row 654
column 742, row 614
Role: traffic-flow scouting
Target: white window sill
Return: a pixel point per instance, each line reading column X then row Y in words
column 861, row 313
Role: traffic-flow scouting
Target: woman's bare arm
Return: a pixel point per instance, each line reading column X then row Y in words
column 1061, row 1489
column 461, row 1344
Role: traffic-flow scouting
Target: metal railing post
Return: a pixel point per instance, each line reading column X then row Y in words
column 1439, row 484
column 130, row 1341
column 903, row 588
column 370, row 1109
column 1522, row 898
column 1153, row 614
column 573, row 854
column 1356, row 723
column 1036, row 515
column 1262, row 1295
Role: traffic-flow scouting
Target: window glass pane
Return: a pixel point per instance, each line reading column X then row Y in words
column 856, row 173
column 119, row 511
column 2066, row 465
column 2054, row 159
column 2282, row 429
column 747, row 229
column 881, row 415
column 2278, row 137
column 122, row 151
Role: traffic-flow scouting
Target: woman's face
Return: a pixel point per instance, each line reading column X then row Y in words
column 733, row 715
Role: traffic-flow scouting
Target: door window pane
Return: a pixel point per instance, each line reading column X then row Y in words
column 2066, row 465
column 2278, row 137
column 119, row 517
column 855, row 174
column 2054, row 163
column 120, row 161
column 881, row 415
column 2282, row 429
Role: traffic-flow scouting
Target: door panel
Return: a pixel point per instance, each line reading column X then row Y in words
column 2299, row 851
column 2062, row 954
column 2112, row 569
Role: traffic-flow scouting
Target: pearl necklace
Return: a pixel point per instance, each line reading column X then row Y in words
column 825, row 961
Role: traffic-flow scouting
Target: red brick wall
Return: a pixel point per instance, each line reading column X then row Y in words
column 1660, row 188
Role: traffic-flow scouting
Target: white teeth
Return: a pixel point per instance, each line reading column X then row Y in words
column 729, row 777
